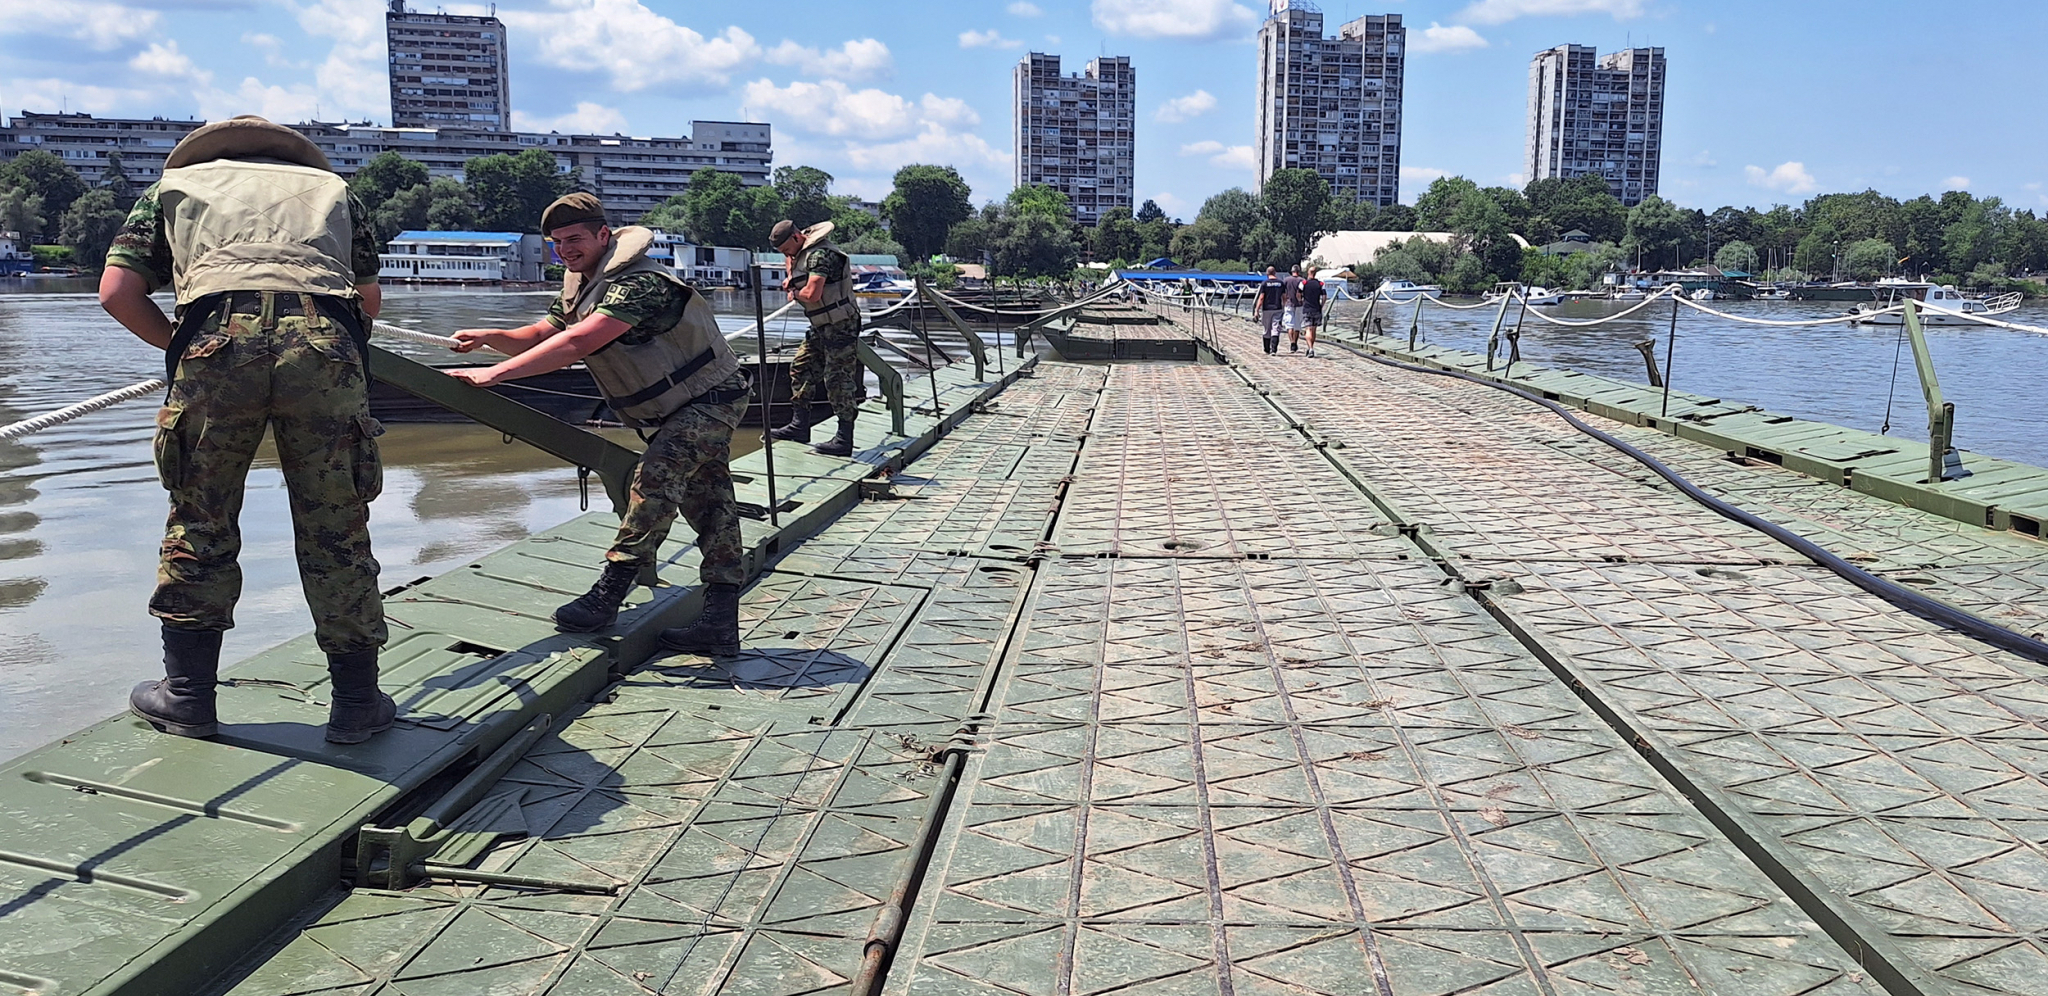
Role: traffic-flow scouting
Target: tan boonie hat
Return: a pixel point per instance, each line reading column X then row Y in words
column 246, row 137
column 571, row 209
column 785, row 228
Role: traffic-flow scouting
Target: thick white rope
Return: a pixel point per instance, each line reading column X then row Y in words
column 424, row 338
column 86, row 407
column 1568, row 323
column 1801, row 323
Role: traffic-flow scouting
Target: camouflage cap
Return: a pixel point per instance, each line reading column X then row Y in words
column 571, row 209
column 245, row 137
column 785, row 229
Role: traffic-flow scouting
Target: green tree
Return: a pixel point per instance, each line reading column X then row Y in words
column 1867, row 259
column 1294, row 203
column 1393, row 218
column 1540, row 269
column 384, row 176
column 1482, row 228
column 89, row 227
column 971, row 238
column 1736, row 256
column 1149, row 212
column 1223, row 220
column 21, row 212
column 1034, row 234
column 1345, row 215
column 671, row 215
column 1655, row 228
column 806, row 193
column 1445, row 195
column 1205, row 239
column 450, row 206
column 924, row 206
column 722, row 211
column 114, row 177
column 1116, row 237
column 512, row 190
column 1585, row 203
column 46, row 176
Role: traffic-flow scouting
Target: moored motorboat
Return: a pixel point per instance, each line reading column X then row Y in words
column 1943, row 305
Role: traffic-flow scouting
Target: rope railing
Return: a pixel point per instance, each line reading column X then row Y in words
column 47, row 420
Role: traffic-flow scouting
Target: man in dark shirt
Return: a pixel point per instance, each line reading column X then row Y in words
column 1312, row 295
column 1272, row 301
column 1293, row 282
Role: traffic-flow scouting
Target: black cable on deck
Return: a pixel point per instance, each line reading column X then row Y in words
column 1931, row 609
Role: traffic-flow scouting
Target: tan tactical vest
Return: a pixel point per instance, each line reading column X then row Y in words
column 648, row 382
column 837, row 304
column 239, row 225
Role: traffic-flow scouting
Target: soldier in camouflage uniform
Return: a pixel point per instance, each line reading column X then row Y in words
column 275, row 269
column 827, row 365
column 653, row 345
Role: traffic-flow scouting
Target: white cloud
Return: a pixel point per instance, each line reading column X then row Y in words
column 272, row 48
column 639, row 47
column 253, row 96
column 1789, row 178
column 50, row 92
column 1502, row 11
column 1220, row 155
column 167, row 60
column 987, row 39
column 1181, row 20
column 854, row 60
column 1957, row 183
column 1705, row 159
column 1182, row 108
column 353, row 81
column 100, row 24
column 1424, row 175
column 1437, row 38
column 1022, row 8
column 837, row 110
column 589, row 118
column 1518, row 180
column 1173, row 204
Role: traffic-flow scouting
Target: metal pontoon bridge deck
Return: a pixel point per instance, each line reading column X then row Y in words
column 1276, row 676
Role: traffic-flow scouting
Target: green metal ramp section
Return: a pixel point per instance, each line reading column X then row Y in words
column 744, row 820
column 133, row 862
column 1887, row 773
column 1304, row 763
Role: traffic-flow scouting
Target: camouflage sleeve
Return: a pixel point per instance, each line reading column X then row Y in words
column 364, row 245
column 141, row 244
column 826, row 262
column 641, row 298
column 558, row 313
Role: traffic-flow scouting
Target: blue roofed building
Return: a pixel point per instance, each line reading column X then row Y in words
column 464, row 258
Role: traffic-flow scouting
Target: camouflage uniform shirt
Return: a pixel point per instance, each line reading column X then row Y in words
column 143, row 246
column 648, row 303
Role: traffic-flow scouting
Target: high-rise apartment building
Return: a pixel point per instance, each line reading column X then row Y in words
column 1597, row 114
column 1073, row 132
column 1332, row 105
column 448, row 70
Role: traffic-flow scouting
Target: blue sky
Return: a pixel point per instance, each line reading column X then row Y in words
column 1768, row 101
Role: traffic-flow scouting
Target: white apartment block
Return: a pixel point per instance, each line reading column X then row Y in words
column 448, row 70
column 1073, row 133
column 1597, row 114
column 630, row 174
column 1332, row 105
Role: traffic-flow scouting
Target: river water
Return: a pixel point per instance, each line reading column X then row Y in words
column 81, row 512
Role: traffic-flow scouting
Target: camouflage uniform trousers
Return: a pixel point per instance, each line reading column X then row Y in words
column 686, row 470
column 303, row 379
column 827, row 366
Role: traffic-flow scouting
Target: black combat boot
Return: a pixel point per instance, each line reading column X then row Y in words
column 599, row 606
column 716, row 633
column 841, row 443
column 799, row 428
column 359, row 710
column 182, row 703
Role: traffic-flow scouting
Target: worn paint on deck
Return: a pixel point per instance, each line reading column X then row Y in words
column 1299, row 676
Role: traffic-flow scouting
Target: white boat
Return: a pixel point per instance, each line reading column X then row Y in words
column 1773, row 294
column 1702, row 294
column 1540, row 297
column 1403, row 291
column 1627, row 294
column 1944, row 306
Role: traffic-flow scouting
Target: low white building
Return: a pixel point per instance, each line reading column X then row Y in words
column 464, row 258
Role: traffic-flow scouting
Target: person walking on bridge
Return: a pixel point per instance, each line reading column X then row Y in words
column 653, row 345
column 1293, row 302
column 827, row 365
column 274, row 266
column 1272, row 302
column 1312, row 296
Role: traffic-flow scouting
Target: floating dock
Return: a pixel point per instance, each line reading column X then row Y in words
column 1271, row 676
